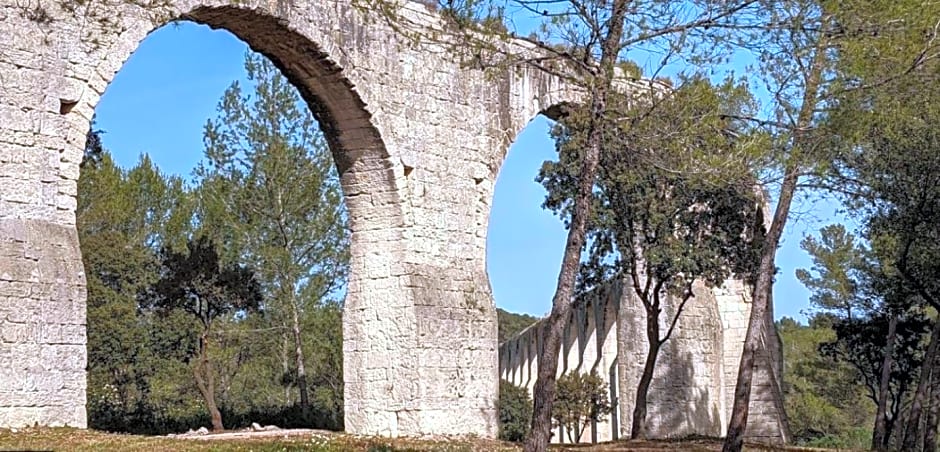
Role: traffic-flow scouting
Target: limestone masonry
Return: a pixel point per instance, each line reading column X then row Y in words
column 418, row 136
column 693, row 385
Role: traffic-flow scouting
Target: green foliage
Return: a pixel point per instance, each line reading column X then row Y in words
column 861, row 342
column 857, row 438
column 887, row 169
column 515, row 412
column 838, row 260
column 510, row 324
column 196, row 282
column 268, row 179
column 580, row 398
column 825, row 400
column 122, row 215
column 858, row 292
column 890, row 170
column 674, row 202
column 269, row 190
column 674, row 195
column 325, row 344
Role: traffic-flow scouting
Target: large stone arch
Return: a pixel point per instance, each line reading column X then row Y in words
column 46, row 226
column 418, row 138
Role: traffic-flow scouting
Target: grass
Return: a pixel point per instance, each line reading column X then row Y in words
column 77, row 440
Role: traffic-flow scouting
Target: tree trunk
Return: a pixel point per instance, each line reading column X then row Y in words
column 914, row 430
column 301, row 369
column 639, row 427
column 879, row 439
column 889, row 430
column 285, row 362
column 734, row 442
column 930, row 435
column 933, row 410
column 544, row 391
column 205, row 382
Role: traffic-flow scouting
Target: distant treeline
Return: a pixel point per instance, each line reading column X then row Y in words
column 218, row 302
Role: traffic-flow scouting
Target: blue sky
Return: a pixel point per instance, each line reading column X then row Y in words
column 162, row 97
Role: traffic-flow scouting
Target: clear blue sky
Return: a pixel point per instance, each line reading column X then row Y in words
column 162, row 97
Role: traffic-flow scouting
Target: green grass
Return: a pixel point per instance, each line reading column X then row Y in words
column 78, row 440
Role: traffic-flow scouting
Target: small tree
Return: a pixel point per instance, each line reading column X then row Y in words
column 515, row 412
column 580, row 400
column 195, row 282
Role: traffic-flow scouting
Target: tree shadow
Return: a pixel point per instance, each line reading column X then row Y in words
column 685, row 398
column 685, row 406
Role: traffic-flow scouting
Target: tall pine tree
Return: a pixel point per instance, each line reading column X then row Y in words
column 269, row 190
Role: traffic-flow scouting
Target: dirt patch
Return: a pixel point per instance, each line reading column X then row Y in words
column 286, row 433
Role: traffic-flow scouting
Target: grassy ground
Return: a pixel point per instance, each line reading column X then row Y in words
column 75, row 440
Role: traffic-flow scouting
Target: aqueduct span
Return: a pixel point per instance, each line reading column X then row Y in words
column 418, row 137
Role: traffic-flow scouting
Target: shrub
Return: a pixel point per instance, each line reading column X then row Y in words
column 515, row 412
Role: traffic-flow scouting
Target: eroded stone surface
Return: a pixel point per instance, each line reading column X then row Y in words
column 42, row 324
column 418, row 137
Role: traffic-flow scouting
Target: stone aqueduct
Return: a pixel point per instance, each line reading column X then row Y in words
column 418, row 138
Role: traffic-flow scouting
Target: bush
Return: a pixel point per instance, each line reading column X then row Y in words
column 515, row 412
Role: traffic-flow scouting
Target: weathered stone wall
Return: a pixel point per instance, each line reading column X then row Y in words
column 42, row 324
column 418, row 138
column 589, row 345
column 684, row 396
column 693, row 384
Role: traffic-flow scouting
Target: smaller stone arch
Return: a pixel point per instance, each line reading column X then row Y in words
column 534, row 91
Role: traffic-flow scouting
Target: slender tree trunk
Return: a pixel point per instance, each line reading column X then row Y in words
column 287, row 284
column 205, row 382
column 285, row 362
column 889, row 431
column 913, row 432
column 933, row 407
column 879, row 439
column 734, row 442
column 301, row 369
column 930, row 435
column 544, row 391
column 638, row 429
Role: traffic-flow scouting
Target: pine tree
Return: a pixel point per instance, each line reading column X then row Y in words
column 269, row 191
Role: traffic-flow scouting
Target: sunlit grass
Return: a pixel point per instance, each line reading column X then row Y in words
column 76, row 440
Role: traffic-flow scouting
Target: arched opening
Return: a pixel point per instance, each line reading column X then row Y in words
column 524, row 242
column 524, row 251
column 224, row 308
column 606, row 330
column 411, row 131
